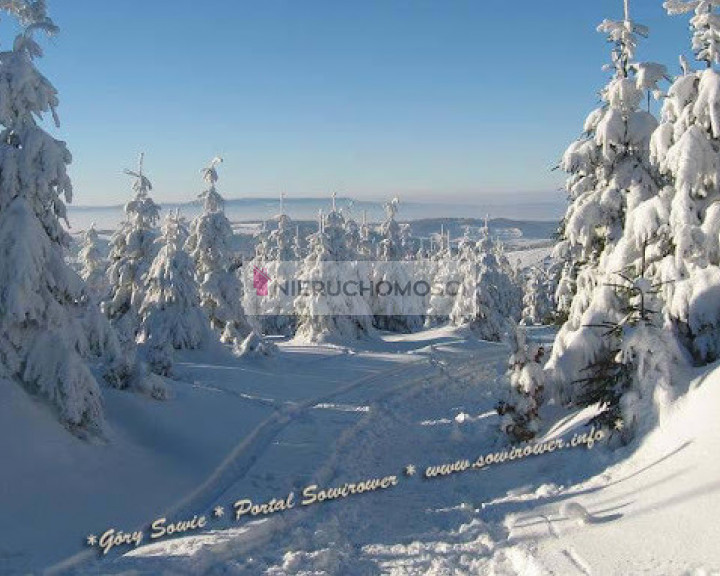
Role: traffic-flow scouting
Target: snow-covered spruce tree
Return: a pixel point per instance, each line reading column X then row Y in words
column 132, row 250
column 210, row 247
column 633, row 378
column 298, row 244
column 171, row 314
column 395, row 306
column 537, row 301
column 444, row 272
column 49, row 329
column 352, row 233
column 514, row 299
column 281, row 267
column 608, row 167
column 519, row 411
column 333, row 315
column 365, row 247
column 407, row 242
column 611, row 182
column 254, row 304
column 465, row 270
column 685, row 220
column 485, row 299
column 94, row 265
column 423, row 268
column 565, row 281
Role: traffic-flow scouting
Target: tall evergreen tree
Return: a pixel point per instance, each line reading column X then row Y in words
column 253, row 303
column 48, row 328
column 172, row 317
column 333, row 316
column 281, row 267
column 396, row 309
column 609, row 169
column 683, row 227
column 445, row 277
column 132, row 249
column 210, row 246
column 484, row 300
column 611, row 178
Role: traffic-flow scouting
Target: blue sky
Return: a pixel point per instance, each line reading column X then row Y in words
column 434, row 100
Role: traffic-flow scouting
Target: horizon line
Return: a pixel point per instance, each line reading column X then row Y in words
column 289, row 199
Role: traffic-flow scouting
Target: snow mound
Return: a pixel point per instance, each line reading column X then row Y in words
column 575, row 511
column 254, row 346
column 656, row 510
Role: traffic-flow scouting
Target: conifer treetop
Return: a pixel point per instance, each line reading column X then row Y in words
column 645, row 75
column 391, row 208
column 624, row 34
column 209, row 173
column 141, row 183
column 141, row 210
column 705, row 24
column 214, row 202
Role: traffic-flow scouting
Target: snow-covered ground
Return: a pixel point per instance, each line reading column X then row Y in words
column 261, row 429
column 532, row 256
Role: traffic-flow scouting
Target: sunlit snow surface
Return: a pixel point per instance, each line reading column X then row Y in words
column 262, row 428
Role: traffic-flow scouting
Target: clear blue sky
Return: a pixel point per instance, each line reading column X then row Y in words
column 441, row 99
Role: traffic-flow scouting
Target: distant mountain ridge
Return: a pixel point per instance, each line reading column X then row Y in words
column 307, row 208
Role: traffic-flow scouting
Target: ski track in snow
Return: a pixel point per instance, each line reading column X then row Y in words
column 577, row 561
column 217, row 551
column 429, row 408
column 241, row 460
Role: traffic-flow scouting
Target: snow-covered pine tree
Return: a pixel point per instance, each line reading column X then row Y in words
column 396, row 309
column 365, row 248
column 444, row 274
column 608, row 167
column 209, row 244
column 132, row 250
column 352, row 232
column 519, row 411
column 407, row 242
column 282, row 241
column 683, row 225
column 514, row 299
column 298, row 244
column 94, row 265
column 485, row 300
column 537, row 301
column 253, row 303
column 49, row 329
column 565, row 281
column 422, row 253
column 172, row 317
column 466, row 269
column 633, row 375
column 333, row 316
column 611, row 182
column 281, row 267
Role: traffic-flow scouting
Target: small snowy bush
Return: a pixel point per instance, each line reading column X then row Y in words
column 519, row 412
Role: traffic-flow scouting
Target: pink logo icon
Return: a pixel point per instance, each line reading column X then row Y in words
column 260, row 281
